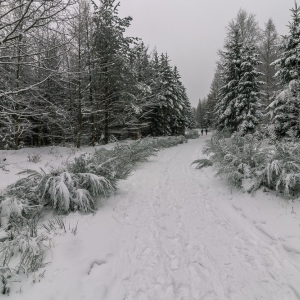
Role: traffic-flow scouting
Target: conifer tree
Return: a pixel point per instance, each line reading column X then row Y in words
column 284, row 110
column 289, row 62
column 248, row 103
column 213, row 97
column 269, row 52
column 201, row 113
column 239, row 106
column 231, row 75
column 111, row 52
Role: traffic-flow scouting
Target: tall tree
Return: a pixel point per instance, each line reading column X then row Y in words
column 248, row 27
column 213, row 97
column 285, row 109
column 231, row 74
column 111, row 50
column 238, row 108
column 269, row 52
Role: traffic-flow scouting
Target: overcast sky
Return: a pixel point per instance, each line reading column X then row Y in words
column 192, row 31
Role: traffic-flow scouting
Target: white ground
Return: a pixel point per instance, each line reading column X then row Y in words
column 172, row 232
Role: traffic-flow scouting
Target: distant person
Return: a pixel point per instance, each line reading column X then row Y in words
column 206, row 131
column 201, row 131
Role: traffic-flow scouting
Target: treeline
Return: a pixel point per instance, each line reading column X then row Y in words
column 247, row 78
column 68, row 74
column 256, row 108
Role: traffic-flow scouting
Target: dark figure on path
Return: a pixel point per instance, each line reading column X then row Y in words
column 206, row 131
column 201, row 131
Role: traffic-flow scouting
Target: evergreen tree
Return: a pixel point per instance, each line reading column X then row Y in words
column 213, row 97
column 201, row 113
column 112, row 53
column 269, row 52
column 248, row 103
column 284, row 110
column 288, row 63
column 238, row 108
column 231, row 74
column 248, row 27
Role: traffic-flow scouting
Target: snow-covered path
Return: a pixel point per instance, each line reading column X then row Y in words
column 186, row 245
column 169, row 234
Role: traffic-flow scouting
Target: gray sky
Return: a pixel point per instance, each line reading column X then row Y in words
column 192, row 31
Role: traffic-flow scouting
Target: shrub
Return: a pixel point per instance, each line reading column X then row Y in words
column 34, row 157
column 192, row 134
column 88, row 177
column 23, row 251
column 240, row 158
column 60, row 190
column 64, row 189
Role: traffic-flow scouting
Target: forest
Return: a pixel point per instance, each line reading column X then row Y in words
column 69, row 75
column 264, row 51
column 107, row 189
column 254, row 106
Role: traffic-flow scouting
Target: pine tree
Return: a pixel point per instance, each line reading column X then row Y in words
column 238, row 108
column 284, row 110
column 213, row 97
column 201, row 113
column 269, row 52
column 231, row 74
column 111, row 51
column 248, row 103
column 289, row 62
column 248, row 27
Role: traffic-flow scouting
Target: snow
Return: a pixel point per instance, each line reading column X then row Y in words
column 170, row 232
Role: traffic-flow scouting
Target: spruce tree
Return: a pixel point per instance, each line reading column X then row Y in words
column 269, row 52
column 231, row 75
column 248, row 103
column 289, row 62
column 213, row 97
column 239, row 106
column 284, row 110
column 111, row 50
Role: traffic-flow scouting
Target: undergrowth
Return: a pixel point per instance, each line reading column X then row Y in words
column 260, row 162
column 76, row 186
column 192, row 134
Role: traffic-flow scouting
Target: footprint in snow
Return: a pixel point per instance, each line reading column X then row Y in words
column 175, row 264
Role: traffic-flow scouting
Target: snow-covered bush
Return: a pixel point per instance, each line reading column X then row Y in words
column 117, row 163
column 34, row 157
column 236, row 157
column 202, row 163
column 247, row 160
column 7, row 277
column 9, row 207
column 23, row 251
column 168, row 142
column 83, row 180
column 64, row 191
column 281, row 170
column 192, row 134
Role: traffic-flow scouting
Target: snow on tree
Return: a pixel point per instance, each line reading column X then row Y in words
column 269, row 52
column 288, row 63
column 248, row 103
column 231, row 74
column 173, row 112
column 238, row 109
column 248, row 27
column 284, row 110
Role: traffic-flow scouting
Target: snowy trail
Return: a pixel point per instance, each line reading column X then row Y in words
column 186, row 246
column 169, row 234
